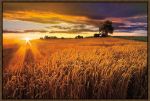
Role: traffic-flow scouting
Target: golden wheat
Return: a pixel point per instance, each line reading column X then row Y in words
column 77, row 69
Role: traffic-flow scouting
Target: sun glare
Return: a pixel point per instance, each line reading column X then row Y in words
column 28, row 41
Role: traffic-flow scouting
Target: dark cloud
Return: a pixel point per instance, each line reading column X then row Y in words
column 59, row 27
column 11, row 31
column 91, row 10
column 117, row 25
column 131, row 28
column 75, row 31
column 138, row 19
column 81, row 30
column 125, row 16
column 79, row 26
column 123, row 30
column 59, row 32
column 25, row 31
column 33, row 30
column 75, row 26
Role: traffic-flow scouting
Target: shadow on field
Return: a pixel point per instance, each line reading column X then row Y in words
column 8, row 54
column 138, row 86
column 29, row 57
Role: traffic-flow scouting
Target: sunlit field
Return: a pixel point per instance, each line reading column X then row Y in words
column 90, row 68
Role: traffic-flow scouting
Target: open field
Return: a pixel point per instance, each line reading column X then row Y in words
column 136, row 38
column 91, row 68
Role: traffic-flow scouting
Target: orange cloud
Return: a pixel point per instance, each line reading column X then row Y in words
column 43, row 17
column 54, row 18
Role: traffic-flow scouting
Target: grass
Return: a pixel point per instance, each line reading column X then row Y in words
column 136, row 38
column 100, row 68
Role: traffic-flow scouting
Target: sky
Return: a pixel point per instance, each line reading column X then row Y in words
column 71, row 19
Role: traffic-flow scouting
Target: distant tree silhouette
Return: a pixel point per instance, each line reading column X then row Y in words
column 89, row 37
column 106, row 28
column 50, row 37
column 46, row 37
column 62, row 37
column 97, row 35
column 78, row 37
column 41, row 38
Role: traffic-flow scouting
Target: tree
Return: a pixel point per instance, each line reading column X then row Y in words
column 41, row 38
column 50, row 37
column 106, row 28
column 79, row 37
column 97, row 35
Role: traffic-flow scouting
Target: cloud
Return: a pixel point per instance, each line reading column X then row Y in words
column 75, row 13
column 131, row 33
column 40, row 31
column 59, row 27
column 47, row 17
column 11, row 31
column 75, row 31
column 91, row 10
column 139, row 18
column 81, row 30
column 24, row 31
column 74, row 28
column 78, row 17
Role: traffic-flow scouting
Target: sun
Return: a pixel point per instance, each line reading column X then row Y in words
column 27, row 41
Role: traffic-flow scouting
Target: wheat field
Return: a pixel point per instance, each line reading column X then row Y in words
column 91, row 68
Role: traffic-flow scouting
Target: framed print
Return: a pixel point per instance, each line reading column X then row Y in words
column 74, row 50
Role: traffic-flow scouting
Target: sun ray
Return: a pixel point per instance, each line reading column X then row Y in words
column 17, row 60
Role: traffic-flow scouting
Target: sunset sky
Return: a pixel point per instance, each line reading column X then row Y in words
column 36, row 19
